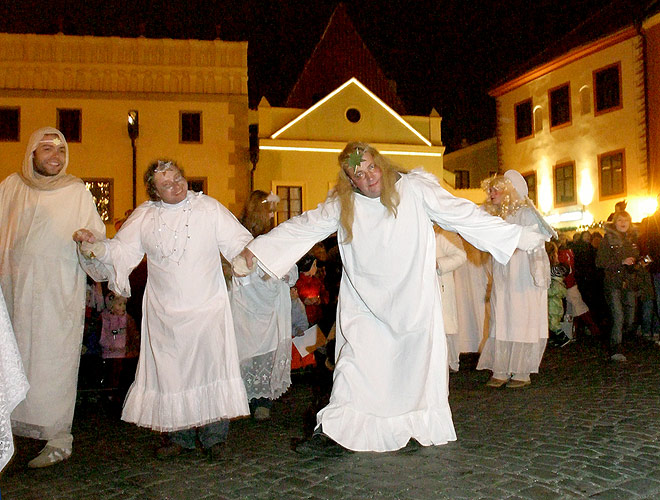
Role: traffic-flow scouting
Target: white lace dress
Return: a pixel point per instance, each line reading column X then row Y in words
column 13, row 383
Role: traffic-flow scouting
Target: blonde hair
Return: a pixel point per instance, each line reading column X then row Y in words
column 256, row 216
column 344, row 190
column 511, row 199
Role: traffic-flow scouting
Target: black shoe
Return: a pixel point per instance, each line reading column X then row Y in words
column 563, row 340
column 320, row 445
column 172, row 450
column 215, row 452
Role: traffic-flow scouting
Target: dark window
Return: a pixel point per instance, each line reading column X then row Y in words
column 191, row 126
column 10, row 119
column 565, row 184
column 607, row 89
column 69, row 122
column 353, row 115
column 103, row 192
column 611, row 172
column 197, row 184
column 524, row 119
column 530, row 179
column 560, row 106
column 462, row 179
column 290, row 203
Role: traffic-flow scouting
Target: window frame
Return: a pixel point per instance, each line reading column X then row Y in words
column 462, row 173
column 18, row 123
column 58, row 120
column 531, row 119
column 111, row 202
column 203, row 180
column 595, row 89
column 567, row 123
column 281, row 184
column 201, row 126
column 556, row 167
column 623, row 193
column 535, row 197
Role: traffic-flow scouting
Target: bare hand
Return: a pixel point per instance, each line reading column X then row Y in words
column 629, row 261
column 243, row 264
column 84, row 235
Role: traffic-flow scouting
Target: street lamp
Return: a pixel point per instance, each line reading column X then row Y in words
column 254, row 151
column 133, row 133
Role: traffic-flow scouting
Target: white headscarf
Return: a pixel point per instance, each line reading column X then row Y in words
column 45, row 182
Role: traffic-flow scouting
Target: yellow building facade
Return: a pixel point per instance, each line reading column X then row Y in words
column 191, row 98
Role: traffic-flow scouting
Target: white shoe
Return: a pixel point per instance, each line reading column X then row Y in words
column 619, row 357
column 261, row 413
column 49, row 456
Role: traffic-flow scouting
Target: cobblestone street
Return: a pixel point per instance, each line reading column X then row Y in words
column 586, row 428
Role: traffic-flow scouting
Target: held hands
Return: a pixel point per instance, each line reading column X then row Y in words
column 89, row 247
column 244, row 263
column 531, row 239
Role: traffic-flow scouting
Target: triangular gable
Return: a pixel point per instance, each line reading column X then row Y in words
column 340, row 55
column 327, row 120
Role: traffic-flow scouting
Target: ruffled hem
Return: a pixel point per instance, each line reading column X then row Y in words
column 365, row 432
column 196, row 407
column 501, row 356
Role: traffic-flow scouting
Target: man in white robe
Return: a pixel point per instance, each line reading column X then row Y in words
column 391, row 376
column 188, row 381
column 44, row 287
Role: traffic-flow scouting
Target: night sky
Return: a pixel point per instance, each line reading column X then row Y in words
column 443, row 54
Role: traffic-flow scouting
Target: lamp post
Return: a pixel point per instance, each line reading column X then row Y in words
column 133, row 133
column 254, row 151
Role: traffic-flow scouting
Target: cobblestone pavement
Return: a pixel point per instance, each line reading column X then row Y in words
column 586, row 428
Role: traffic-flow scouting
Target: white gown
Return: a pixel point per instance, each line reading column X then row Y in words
column 519, row 313
column 13, row 383
column 44, row 288
column 391, row 376
column 262, row 321
column 188, row 373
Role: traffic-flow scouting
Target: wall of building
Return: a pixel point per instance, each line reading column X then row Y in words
column 479, row 159
column 107, row 77
column 652, row 33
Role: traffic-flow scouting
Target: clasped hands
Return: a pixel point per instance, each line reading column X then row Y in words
column 244, row 263
column 89, row 247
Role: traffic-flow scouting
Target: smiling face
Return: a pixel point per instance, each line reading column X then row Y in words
column 367, row 177
column 171, row 186
column 49, row 157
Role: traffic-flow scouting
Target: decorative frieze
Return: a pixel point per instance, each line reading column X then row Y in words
column 111, row 64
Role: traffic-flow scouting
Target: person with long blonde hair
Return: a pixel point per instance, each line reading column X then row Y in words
column 391, row 373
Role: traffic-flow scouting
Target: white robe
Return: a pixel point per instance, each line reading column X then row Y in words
column 519, row 313
column 450, row 256
column 262, row 321
column 44, row 288
column 391, row 376
column 188, row 373
column 13, row 383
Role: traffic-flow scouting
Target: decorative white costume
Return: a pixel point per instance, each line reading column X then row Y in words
column 391, row 377
column 262, row 321
column 188, row 373
column 450, row 256
column 44, row 288
column 13, row 383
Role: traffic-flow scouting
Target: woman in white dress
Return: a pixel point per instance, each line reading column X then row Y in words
column 519, row 296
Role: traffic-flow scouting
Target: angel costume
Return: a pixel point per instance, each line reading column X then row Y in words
column 391, row 376
column 450, row 256
column 262, row 320
column 44, row 288
column 13, row 383
column 188, row 373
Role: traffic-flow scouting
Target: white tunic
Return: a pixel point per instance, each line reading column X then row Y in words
column 44, row 288
column 188, row 373
column 13, row 383
column 519, row 313
column 391, row 377
column 262, row 321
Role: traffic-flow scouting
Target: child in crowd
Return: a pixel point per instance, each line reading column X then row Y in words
column 299, row 324
column 556, row 296
column 120, row 347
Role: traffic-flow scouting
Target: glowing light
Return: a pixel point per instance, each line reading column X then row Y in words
column 353, row 81
column 641, row 206
column 575, row 215
column 337, row 150
column 586, row 190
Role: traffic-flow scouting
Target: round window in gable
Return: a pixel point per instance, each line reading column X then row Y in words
column 353, row 115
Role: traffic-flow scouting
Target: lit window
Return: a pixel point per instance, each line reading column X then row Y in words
column 190, row 127
column 462, row 179
column 102, row 191
column 523, row 111
column 10, row 120
column 560, row 106
column 611, row 171
column 565, row 184
column 530, row 179
column 69, row 122
column 290, row 203
column 607, row 89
